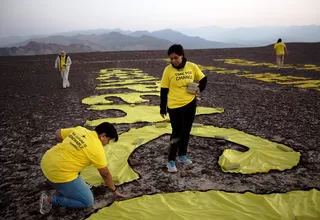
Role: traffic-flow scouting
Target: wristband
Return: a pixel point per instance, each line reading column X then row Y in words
column 114, row 189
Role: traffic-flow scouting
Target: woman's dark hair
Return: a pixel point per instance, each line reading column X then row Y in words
column 279, row 40
column 176, row 48
column 108, row 129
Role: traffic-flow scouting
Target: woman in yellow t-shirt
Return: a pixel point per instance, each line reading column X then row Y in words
column 280, row 50
column 78, row 147
column 178, row 98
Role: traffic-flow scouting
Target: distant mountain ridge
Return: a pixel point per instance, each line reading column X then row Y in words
column 86, row 43
column 192, row 38
column 187, row 41
column 15, row 40
column 106, row 42
column 102, row 42
column 255, row 36
column 115, row 41
column 35, row 48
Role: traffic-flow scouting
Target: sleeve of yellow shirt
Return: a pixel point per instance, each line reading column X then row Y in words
column 165, row 79
column 65, row 132
column 198, row 74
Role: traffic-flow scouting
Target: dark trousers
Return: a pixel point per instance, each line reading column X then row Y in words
column 181, row 120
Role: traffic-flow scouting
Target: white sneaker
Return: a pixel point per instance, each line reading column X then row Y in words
column 45, row 205
column 172, row 166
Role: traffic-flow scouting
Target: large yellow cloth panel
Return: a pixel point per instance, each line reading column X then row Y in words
column 117, row 155
column 262, row 156
column 128, row 81
column 137, row 87
column 195, row 205
column 285, row 80
column 127, row 97
column 128, row 76
column 306, row 84
column 139, row 113
column 120, row 70
column 241, row 62
column 272, row 77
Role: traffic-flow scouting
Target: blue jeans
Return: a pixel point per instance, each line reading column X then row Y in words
column 73, row 194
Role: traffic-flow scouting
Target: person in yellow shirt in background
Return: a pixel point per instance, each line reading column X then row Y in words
column 78, row 147
column 280, row 50
column 62, row 64
column 178, row 98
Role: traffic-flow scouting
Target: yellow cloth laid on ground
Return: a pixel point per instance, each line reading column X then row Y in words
column 133, row 97
column 262, row 156
column 240, row 62
column 134, row 87
column 127, row 82
column 195, row 205
column 139, row 113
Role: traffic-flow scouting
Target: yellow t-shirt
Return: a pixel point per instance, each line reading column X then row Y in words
column 177, row 82
column 80, row 148
column 279, row 47
column 63, row 62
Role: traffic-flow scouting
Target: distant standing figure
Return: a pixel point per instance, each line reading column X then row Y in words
column 178, row 98
column 63, row 63
column 280, row 50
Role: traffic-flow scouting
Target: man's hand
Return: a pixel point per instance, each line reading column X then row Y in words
column 120, row 195
column 163, row 115
column 106, row 175
column 197, row 91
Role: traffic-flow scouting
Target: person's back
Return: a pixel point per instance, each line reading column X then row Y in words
column 280, row 48
column 80, row 147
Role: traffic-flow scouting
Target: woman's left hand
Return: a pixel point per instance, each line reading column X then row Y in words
column 198, row 91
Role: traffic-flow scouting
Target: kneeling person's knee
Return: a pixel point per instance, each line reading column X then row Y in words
column 88, row 201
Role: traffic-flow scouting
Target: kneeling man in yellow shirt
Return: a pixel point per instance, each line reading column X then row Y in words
column 78, row 147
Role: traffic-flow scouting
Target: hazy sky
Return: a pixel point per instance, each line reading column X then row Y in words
column 29, row 17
